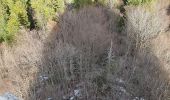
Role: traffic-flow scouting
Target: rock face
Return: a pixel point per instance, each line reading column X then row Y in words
column 8, row 96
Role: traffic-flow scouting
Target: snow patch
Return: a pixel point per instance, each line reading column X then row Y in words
column 8, row 96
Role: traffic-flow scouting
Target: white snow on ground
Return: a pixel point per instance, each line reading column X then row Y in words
column 8, row 96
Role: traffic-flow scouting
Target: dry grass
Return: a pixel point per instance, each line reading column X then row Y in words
column 160, row 47
column 18, row 64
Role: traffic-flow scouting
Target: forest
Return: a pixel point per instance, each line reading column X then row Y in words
column 84, row 49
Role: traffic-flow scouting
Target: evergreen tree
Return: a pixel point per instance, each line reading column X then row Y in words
column 46, row 10
column 13, row 14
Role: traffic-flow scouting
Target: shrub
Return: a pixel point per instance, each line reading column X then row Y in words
column 81, row 3
column 142, row 24
column 103, row 2
column 139, row 2
column 107, row 3
column 76, row 52
column 59, row 6
column 110, row 3
column 89, row 29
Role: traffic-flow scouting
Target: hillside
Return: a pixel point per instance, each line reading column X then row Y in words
column 85, row 50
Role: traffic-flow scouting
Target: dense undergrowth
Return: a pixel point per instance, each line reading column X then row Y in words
column 36, row 13
column 85, row 49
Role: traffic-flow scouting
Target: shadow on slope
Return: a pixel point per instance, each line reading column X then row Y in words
column 84, row 58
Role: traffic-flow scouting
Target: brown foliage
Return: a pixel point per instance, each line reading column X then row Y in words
column 90, row 29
